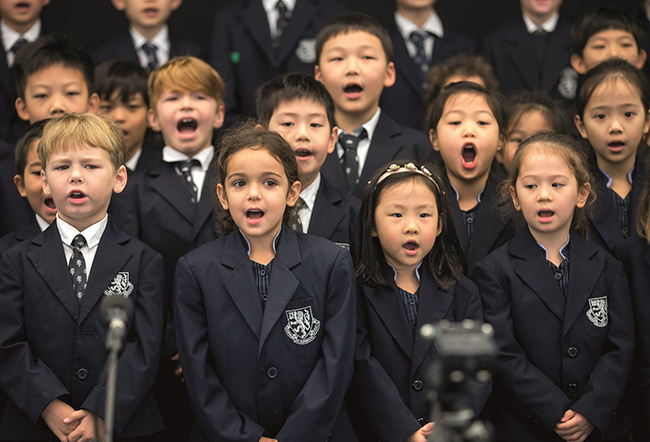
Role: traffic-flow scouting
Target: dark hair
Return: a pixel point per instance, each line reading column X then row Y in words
column 571, row 152
column 464, row 65
column 493, row 98
column 49, row 51
column 251, row 135
column 290, row 87
column 611, row 70
column 350, row 21
column 33, row 132
column 604, row 18
column 446, row 260
column 643, row 215
column 523, row 102
column 124, row 76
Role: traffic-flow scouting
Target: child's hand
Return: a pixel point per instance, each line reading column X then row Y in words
column 54, row 415
column 179, row 370
column 85, row 431
column 574, row 427
column 422, row 434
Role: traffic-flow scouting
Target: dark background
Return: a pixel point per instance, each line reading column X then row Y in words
column 90, row 22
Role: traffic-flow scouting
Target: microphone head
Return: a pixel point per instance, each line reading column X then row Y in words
column 116, row 306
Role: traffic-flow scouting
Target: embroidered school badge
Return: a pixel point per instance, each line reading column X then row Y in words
column 597, row 312
column 568, row 84
column 120, row 286
column 306, row 50
column 301, row 327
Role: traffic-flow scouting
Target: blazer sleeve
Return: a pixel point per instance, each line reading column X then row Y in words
column 138, row 364
column 28, row 381
column 530, row 385
column 602, row 394
column 314, row 411
column 213, row 409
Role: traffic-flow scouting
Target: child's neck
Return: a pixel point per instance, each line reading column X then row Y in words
column 407, row 279
column 553, row 242
column 417, row 16
column 619, row 173
column 132, row 152
column 468, row 191
column 348, row 122
column 539, row 20
column 21, row 28
column 148, row 32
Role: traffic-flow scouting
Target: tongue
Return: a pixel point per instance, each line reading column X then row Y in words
column 546, row 213
column 410, row 246
column 255, row 214
column 49, row 203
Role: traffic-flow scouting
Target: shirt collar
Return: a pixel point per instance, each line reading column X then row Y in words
column 269, row 5
column 433, row 25
column 171, row 155
column 10, row 37
column 42, row 224
column 609, row 179
column 133, row 162
column 564, row 250
column 548, row 26
column 370, row 125
column 308, row 194
column 480, row 194
column 248, row 244
column 92, row 234
column 417, row 271
column 160, row 40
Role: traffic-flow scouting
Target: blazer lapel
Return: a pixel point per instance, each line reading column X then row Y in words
column 583, row 276
column 532, row 272
column 488, row 227
column 457, row 214
column 405, row 65
column 166, row 182
column 254, row 18
column 554, row 62
column 49, row 261
column 605, row 216
column 333, row 171
column 325, row 216
column 389, row 307
column 283, row 283
column 240, row 283
column 523, row 55
column 206, row 203
column 112, row 257
column 301, row 18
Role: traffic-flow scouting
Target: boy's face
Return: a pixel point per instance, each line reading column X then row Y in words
column 81, row 181
column 53, row 92
column 354, row 69
column 414, row 5
column 303, row 124
column 19, row 13
column 131, row 116
column 30, row 186
column 540, row 8
column 186, row 120
column 147, row 13
column 605, row 45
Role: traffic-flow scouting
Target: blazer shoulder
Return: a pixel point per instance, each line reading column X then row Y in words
column 209, row 251
column 463, row 43
column 314, row 248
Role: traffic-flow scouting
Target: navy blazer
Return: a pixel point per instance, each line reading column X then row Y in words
column 510, row 49
column 391, row 361
column 603, row 225
column 557, row 353
column 151, row 154
column 27, row 230
column 390, row 142
column 404, row 101
column 121, row 46
column 14, row 209
column 51, row 346
column 334, row 216
column 252, row 371
column 243, row 54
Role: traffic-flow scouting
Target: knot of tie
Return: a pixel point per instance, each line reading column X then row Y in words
column 151, row 50
column 283, row 21
column 185, row 168
column 19, row 44
column 78, row 242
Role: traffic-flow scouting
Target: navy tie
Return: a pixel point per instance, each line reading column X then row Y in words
column 19, row 44
column 418, row 38
column 283, row 21
column 350, row 160
column 77, row 266
column 186, row 170
column 151, row 50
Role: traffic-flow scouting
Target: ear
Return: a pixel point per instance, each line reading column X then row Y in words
column 218, row 118
column 21, row 109
column 121, row 177
column 581, row 126
column 502, row 143
column 434, row 140
column 646, row 125
column 153, row 120
column 20, row 185
column 293, row 194
column 373, row 233
column 223, row 198
column 93, row 103
column 44, row 183
column 317, row 74
column 578, row 64
column 640, row 61
column 515, row 200
column 440, row 224
column 120, row 5
column 583, row 195
column 332, row 141
column 389, row 78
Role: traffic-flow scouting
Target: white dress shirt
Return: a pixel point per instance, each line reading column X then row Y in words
column 548, row 26
column 308, row 195
column 433, row 26
column 161, row 41
column 364, row 144
column 10, row 37
column 92, row 235
column 272, row 13
column 170, row 155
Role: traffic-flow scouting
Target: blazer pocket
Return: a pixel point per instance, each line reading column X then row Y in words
column 302, row 324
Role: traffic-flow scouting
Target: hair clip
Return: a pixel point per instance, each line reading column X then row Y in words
column 408, row 167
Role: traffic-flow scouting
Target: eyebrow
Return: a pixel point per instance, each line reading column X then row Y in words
column 615, row 107
column 293, row 114
column 242, row 174
column 464, row 112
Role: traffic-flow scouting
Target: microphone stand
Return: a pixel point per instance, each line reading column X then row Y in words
column 114, row 341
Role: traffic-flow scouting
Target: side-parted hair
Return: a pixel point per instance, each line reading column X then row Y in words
column 186, row 74
column 33, row 132
column 124, row 76
column 289, row 87
column 77, row 130
column 604, row 18
column 251, row 135
column 49, row 51
column 493, row 98
column 523, row 102
column 569, row 150
column 611, row 71
column 350, row 21
column 446, row 260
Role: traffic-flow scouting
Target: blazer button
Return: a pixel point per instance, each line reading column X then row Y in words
column 418, row 385
column 421, row 421
column 272, row 372
column 572, row 352
column 82, row 373
column 572, row 388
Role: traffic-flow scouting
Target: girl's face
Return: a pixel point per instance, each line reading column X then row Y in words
column 256, row 191
column 547, row 193
column 406, row 223
column 525, row 126
column 614, row 121
column 467, row 137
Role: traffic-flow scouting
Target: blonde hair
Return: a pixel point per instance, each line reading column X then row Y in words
column 72, row 130
column 185, row 74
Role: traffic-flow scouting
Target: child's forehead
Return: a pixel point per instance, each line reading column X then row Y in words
column 301, row 107
column 56, row 74
column 353, row 38
column 612, row 33
column 117, row 96
column 467, row 102
column 75, row 148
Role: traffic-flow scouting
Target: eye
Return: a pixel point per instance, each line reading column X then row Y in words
column 425, row 215
column 367, row 57
column 598, row 46
column 62, row 167
column 515, row 140
column 454, row 123
column 287, row 124
column 36, row 173
column 40, row 96
column 316, row 125
column 238, row 183
column 135, row 107
column 600, row 116
column 91, row 166
column 104, row 108
column 270, row 183
column 629, row 114
column 171, row 98
column 557, row 185
column 530, row 186
column 626, row 45
column 72, row 93
column 396, row 215
column 483, row 123
column 336, row 59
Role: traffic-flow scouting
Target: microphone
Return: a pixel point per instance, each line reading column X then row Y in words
column 117, row 311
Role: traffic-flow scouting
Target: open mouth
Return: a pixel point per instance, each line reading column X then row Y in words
column 353, row 90
column 616, row 145
column 22, row 5
column 254, row 214
column 150, row 11
column 469, row 156
column 411, row 247
column 303, row 153
column 187, row 125
column 545, row 213
column 49, row 202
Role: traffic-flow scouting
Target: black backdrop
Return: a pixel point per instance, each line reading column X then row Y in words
column 92, row 21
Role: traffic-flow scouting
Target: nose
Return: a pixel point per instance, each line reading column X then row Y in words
column 543, row 194
column 351, row 66
column 118, row 114
column 75, row 173
column 57, row 106
column 253, row 191
column 469, row 131
column 302, row 134
column 186, row 102
column 411, row 224
column 615, row 127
